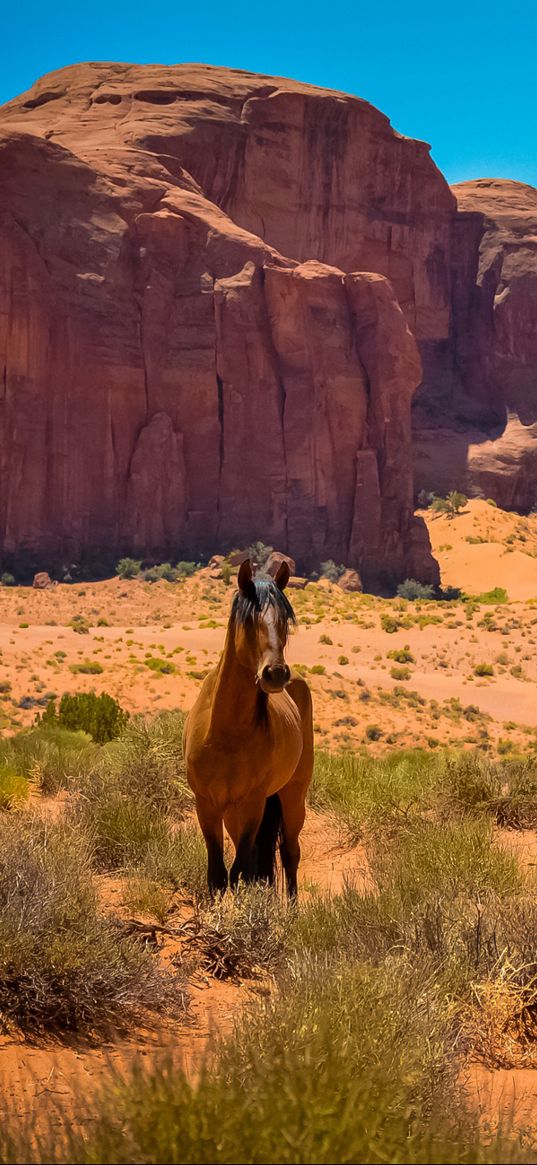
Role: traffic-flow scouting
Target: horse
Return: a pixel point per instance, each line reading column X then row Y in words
column 249, row 740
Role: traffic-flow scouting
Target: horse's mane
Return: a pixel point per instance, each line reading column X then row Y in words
column 262, row 593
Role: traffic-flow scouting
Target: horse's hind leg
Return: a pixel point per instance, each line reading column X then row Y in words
column 210, row 820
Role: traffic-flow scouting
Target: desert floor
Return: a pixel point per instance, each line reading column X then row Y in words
column 384, row 674
column 150, row 645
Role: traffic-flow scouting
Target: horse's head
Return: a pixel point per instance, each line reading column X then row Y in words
column 260, row 619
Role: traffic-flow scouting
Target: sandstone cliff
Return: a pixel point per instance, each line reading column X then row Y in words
column 198, row 339
column 476, row 427
column 190, row 358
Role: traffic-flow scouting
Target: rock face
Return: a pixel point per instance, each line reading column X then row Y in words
column 477, row 428
column 192, row 355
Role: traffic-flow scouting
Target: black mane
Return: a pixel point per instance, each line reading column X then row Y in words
column 262, row 593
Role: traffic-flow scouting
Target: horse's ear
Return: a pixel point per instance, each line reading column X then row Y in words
column 281, row 578
column 244, row 579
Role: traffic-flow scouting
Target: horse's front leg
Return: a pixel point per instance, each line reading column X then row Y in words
column 242, row 823
column 293, row 803
column 210, row 819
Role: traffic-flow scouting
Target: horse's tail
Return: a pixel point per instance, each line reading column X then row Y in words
column 268, row 835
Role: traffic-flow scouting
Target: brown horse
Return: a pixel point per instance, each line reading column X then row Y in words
column 249, row 740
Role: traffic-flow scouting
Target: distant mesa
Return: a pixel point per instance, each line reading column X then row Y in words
column 220, row 295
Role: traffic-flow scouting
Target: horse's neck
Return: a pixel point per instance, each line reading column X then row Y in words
column 236, row 694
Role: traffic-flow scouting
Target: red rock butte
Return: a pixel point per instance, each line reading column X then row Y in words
column 219, row 292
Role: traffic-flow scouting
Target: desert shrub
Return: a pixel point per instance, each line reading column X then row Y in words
column 402, row 655
column 88, row 667
column 425, row 499
column 80, row 624
column 450, row 594
column 147, row 760
column 62, row 965
column 495, row 597
column 373, row 732
column 139, row 782
column 331, row 571
column 259, row 553
column 51, row 756
column 100, row 716
column 326, row 639
column 128, row 568
column 7, row 579
column 412, row 589
column 389, row 623
column 450, row 505
column 163, row 667
column 483, row 669
column 349, row 1063
column 14, row 788
column 244, row 934
column 175, row 859
column 186, row 569
column 368, row 793
column 164, row 570
column 400, row 673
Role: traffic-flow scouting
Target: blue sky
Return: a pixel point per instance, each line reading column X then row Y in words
column 462, row 77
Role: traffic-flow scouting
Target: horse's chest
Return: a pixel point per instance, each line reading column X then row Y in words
column 233, row 767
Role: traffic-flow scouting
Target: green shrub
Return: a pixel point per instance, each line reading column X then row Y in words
column 7, row 580
column 390, row 624
column 14, row 788
column 51, row 756
column 402, row 655
column 450, row 505
column 128, row 568
column 161, row 666
column 331, row 571
column 186, row 569
column 139, row 782
column 496, row 597
column 100, row 716
column 483, row 669
column 412, row 589
column 88, row 667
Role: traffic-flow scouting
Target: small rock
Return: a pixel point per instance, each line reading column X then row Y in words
column 42, row 581
column 275, row 561
column 350, row 581
column 297, row 583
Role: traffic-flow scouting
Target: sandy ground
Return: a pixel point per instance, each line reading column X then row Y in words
column 36, row 1079
column 344, row 645
column 363, row 697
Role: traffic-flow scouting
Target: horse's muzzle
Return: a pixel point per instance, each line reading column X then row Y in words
column 274, row 679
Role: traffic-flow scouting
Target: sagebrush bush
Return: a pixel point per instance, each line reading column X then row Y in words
column 128, row 568
column 412, row 589
column 63, row 966
column 345, row 1063
column 52, row 757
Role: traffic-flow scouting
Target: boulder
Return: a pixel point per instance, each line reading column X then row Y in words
column 273, row 564
column 42, row 581
column 350, row 581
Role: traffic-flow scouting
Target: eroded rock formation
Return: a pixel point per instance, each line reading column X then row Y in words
column 476, row 427
column 173, row 381
column 198, row 339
